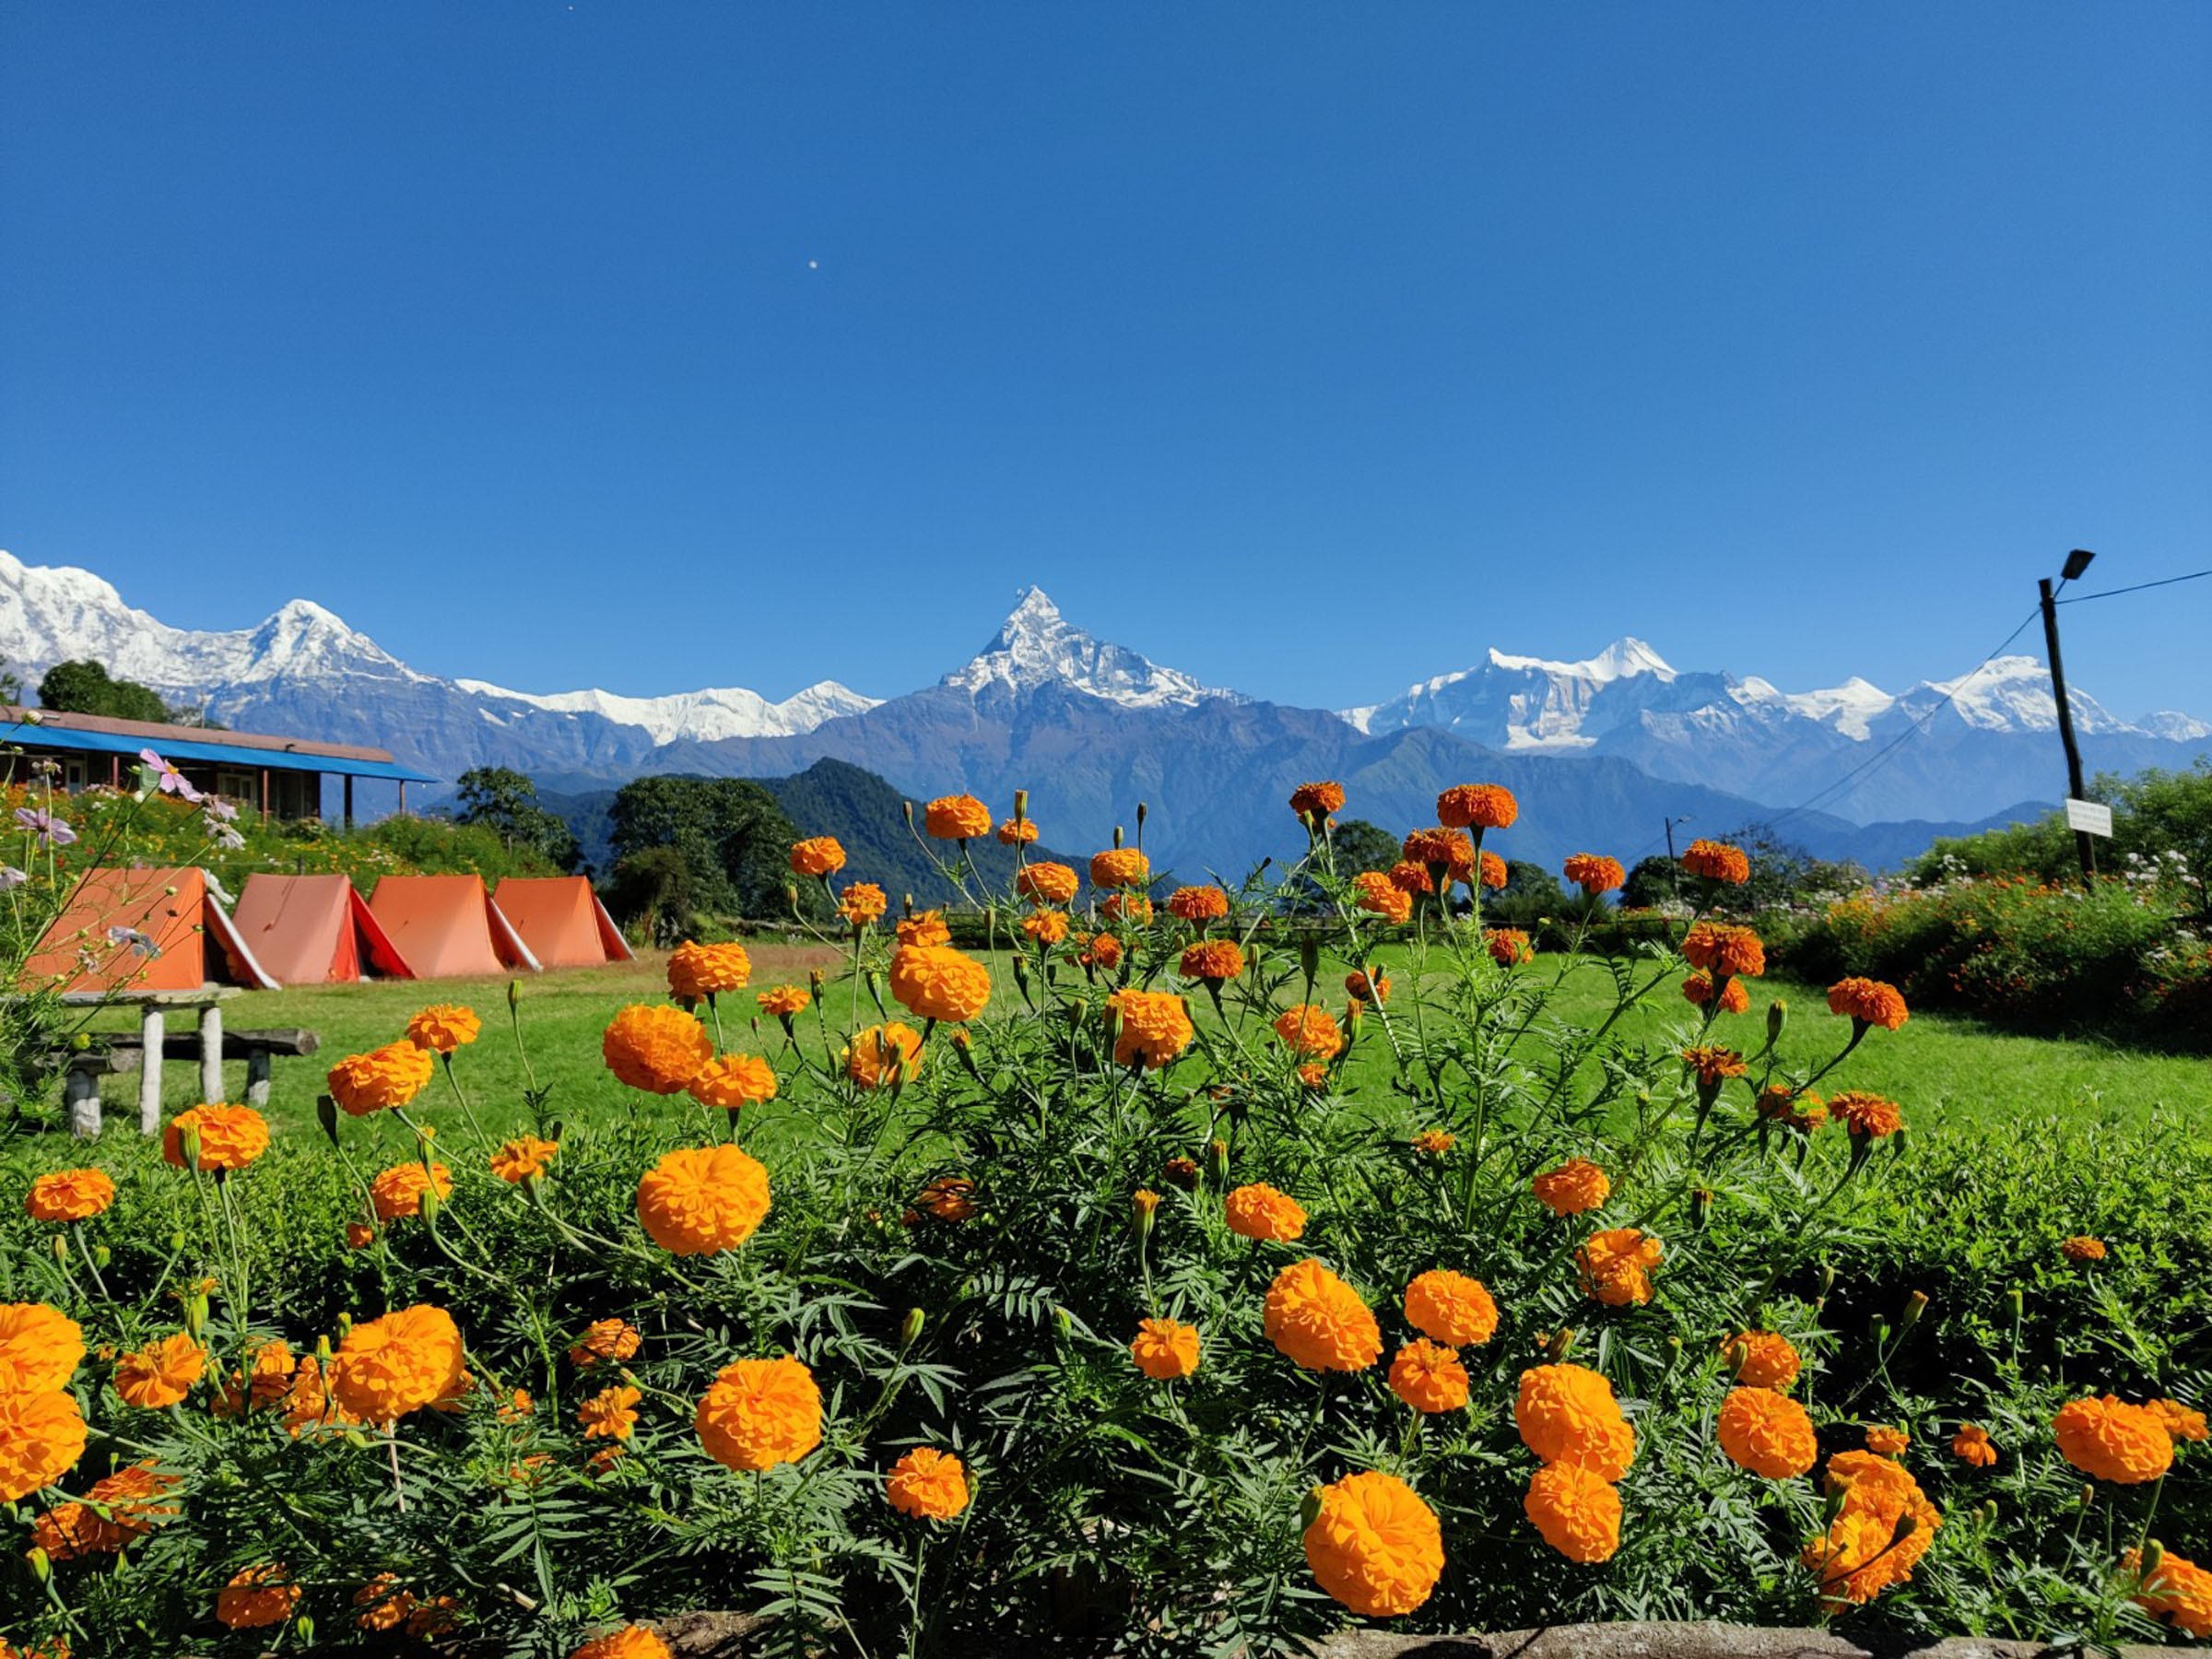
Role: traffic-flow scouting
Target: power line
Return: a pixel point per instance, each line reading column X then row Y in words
column 2115, row 593
column 1914, row 730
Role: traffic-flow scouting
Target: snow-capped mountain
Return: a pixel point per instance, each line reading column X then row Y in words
column 727, row 712
column 1036, row 646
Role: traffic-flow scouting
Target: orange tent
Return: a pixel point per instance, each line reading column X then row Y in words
column 314, row 930
column 142, row 930
column 561, row 920
column 447, row 927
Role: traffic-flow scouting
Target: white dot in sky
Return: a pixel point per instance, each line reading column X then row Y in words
column 814, row 264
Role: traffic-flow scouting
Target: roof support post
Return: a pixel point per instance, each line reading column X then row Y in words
column 348, row 800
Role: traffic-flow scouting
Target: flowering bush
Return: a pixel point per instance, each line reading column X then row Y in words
column 1101, row 1302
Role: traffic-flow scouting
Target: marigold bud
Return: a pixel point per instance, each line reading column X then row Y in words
column 1142, row 1203
column 101, row 1255
column 1308, row 956
column 514, row 995
column 1308, row 1508
column 2154, row 1558
column 61, row 1248
column 1916, row 1306
column 188, row 1147
column 305, row 1625
column 1117, row 835
column 1828, row 1280
column 326, row 1114
column 176, row 1241
column 322, row 1350
column 1777, row 1015
column 1141, row 810
column 874, row 982
column 1216, row 1162
column 2088, row 1494
column 909, row 1328
column 1561, row 1344
column 1021, row 805
column 791, row 896
column 1881, row 1330
column 1700, row 1206
column 815, row 982
column 40, row 1563
column 908, row 808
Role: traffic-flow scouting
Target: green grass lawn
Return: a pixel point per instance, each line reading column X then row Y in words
column 1948, row 1073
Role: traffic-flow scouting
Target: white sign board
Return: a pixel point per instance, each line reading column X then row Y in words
column 2091, row 817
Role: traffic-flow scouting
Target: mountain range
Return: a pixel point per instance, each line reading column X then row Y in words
column 1602, row 751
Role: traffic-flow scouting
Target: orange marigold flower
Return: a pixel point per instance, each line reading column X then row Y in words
column 696, row 970
column 1099, row 950
column 1574, row 1188
column 948, row 1198
column 956, row 818
column 1567, row 1414
column 309, row 1404
column 1869, row 1002
column 1722, row 948
column 397, row 1192
column 605, row 1339
column 1165, row 1349
column 387, row 1367
column 388, row 1604
column 1198, row 903
column 1017, row 832
column 1313, row 1074
column 928, row 928
column 1319, row 1322
column 524, row 1158
column 42, row 1436
column 1409, row 878
column 1132, row 908
column 1361, row 990
column 1883, row 1529
column 2082, row 1248
column 1434, row 1142
column 1379, row 895
column 39, row 1348
column 230, row 1136
column 2113, row 1441
column 443, row 1027
column 69, row 1196
column 161, row 1373
column 1595, row 873
column 1477, row 806
column 359, row 1235
column 816, row 855
column 1428, row 1377
column 610, row 1414
column 1697, row 991
column 1971, row 1445
column 1451, row 1308
column 1613, row 1264
column 1183, row 1171
column 1792, row 1109
column 119, row 1509
column 655, row 1048
column 1047, row 883
column 862, row 903
column 2177, row 1591
column 257, row 1597
column 2183, row 1422
column 1713, row 1063
column 733, row 1081
column 1440, row 849
column 760, row 1413
column 390, row 1076
column 1152, row 1027
column 1494, row 873
column 1374, row 1545
column 935, row 982
column 1314, row 801
column 1886, row 1441
column 632, row 1642
column 883, row 1054
column 1717, row 861
column 1576, row 1510
column 1309, row 1030
column 1045, row 926
column 1762, row 1358
column 1867, row 1114
column 1120, row 867
column 698, row 1200
column 784, row 1001
column 927, row 1484
column 1508, row 945
column 1260, row 1212
column 1213, row 960
column 1768, row 1433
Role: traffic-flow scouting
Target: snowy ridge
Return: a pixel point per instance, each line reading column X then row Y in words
column 1036, row 646
column 716, row 712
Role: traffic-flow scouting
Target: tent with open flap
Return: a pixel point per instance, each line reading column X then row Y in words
column 133, row 930
column 315, row 929
column 448, row 927
column 561, row 920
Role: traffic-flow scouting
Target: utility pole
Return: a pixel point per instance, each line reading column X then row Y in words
column 1674, row 870
column 2077, row 562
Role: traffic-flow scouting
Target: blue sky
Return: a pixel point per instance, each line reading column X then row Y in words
column 1311, row 349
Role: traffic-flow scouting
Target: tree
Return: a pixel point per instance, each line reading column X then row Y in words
column 732, row 838
column 85, row 687
column 1531, row 894
column 654, row 888
column 505, row 802
column 1654, row 881
column 1360, row 845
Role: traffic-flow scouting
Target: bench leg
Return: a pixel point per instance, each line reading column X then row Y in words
column 257, row 1079
column 149, row 1074
column 81, row 1090
column 211, row 1054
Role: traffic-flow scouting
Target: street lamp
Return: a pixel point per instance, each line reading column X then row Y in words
column 2077, row 562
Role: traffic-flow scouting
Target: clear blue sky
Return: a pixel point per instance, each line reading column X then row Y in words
column 1311, row 349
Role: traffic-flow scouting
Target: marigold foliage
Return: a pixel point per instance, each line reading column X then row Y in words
column 1374, row 1545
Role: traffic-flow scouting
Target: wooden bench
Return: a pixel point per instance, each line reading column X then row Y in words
column 111, row 1056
